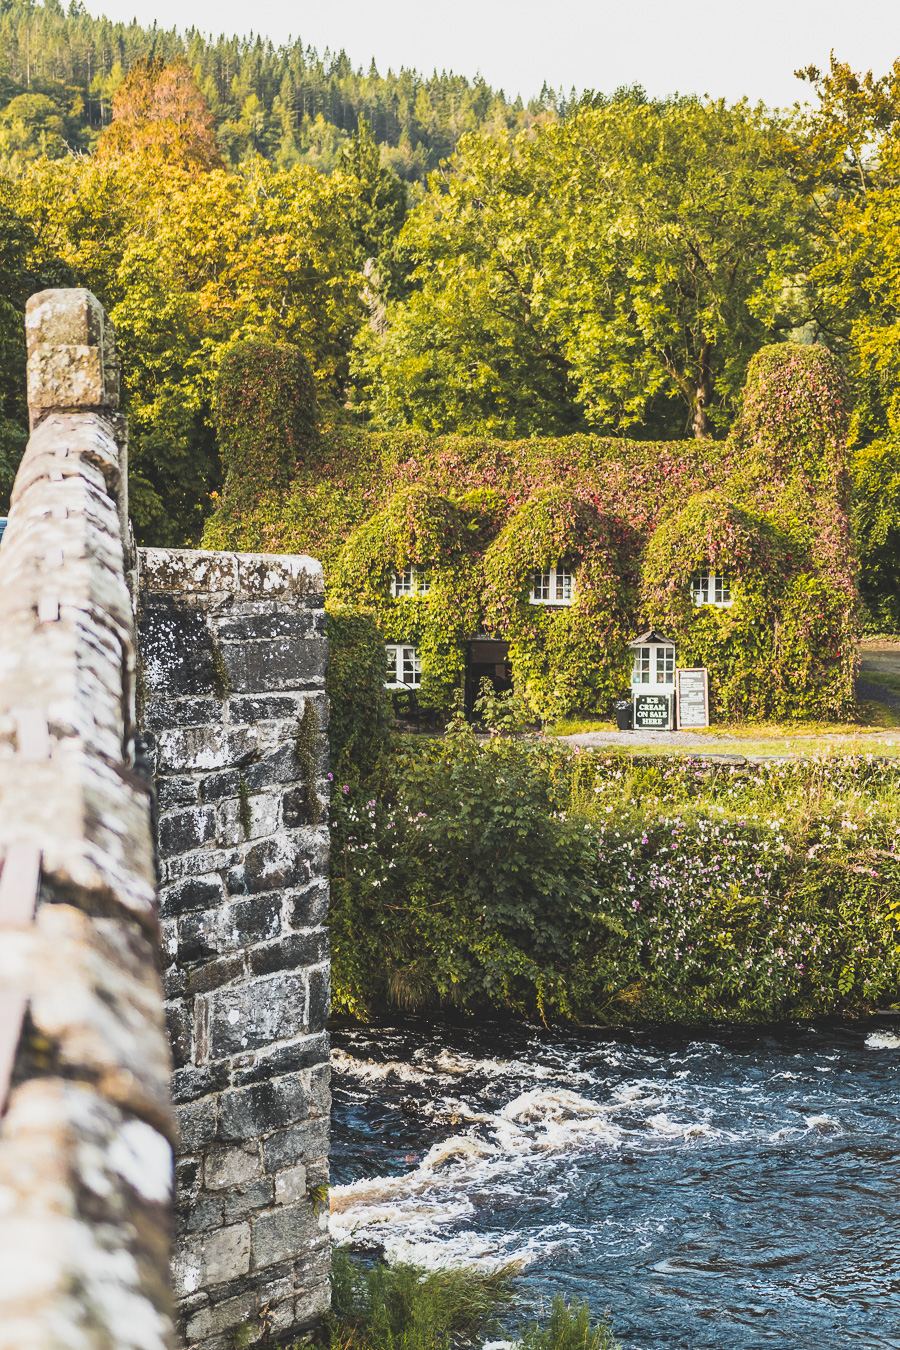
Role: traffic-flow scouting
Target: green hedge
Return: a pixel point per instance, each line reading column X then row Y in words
column 266, row 419
column 360, row 717
column 519, row 876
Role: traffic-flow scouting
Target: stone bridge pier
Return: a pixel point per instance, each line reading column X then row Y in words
column 164, row 974
column 231, row 698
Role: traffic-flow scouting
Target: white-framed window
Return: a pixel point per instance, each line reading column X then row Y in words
column 665, row 665
column 555, row 586
column 411, row 580
column 711, row 588
column 403, row 665
column 653, row 665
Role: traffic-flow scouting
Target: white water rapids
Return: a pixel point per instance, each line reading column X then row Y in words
column 717, row 1173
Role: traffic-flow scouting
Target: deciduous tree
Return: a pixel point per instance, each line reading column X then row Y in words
column 189, row 264
column 848, row 162
column 22, row 272
column 618, row 269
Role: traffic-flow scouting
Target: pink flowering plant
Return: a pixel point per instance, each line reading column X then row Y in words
column 512, row 874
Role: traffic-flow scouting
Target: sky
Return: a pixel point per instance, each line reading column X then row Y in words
column 726, row 50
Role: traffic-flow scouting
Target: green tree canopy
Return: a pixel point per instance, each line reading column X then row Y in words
column 377, row 205
column 848, row 162
column 615, row 269
column 188, row 264
column 21, row 274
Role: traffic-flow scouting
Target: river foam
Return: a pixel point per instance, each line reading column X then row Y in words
column 703, row 1186
column 407, row 1216
column 883, row 1040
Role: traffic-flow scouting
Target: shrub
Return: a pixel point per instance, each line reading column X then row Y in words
column 794, row 415
column 569, row 1327
column 360, row 717
column 265, row 414
column 402, row 1307
column 459, row 885
column 520, row 876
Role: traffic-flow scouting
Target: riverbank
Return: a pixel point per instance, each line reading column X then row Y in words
column 542, row 880
column 399, row 1306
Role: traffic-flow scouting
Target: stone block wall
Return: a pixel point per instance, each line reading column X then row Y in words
column 232, row 703
column 86, row 1139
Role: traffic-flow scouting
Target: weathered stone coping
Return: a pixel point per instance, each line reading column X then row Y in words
column 240, row 576
column 85, row 1146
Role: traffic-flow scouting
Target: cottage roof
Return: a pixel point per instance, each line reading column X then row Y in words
column 645, row 639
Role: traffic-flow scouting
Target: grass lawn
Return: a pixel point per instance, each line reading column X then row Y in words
column 885, row 679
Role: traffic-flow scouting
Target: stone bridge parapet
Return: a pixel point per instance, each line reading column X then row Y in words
column 85, row 1147
column 232, row 699
column 223, row 902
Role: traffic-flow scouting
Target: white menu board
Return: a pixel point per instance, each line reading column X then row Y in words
column 692, row 697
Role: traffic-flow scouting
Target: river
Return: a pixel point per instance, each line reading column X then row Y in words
column 716, row 1189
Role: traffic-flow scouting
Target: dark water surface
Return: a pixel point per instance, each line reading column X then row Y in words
column 716, row 1190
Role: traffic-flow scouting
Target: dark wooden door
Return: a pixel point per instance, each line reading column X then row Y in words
column 487, row 659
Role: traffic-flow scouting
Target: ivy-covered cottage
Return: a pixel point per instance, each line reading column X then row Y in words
column 538, row 563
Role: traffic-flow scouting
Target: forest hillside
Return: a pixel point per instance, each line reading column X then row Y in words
column 449, row 262
column 60, row 69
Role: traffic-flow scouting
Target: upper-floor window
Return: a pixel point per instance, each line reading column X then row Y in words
column 403, row 666
column 411, row 580
column 653, row 665
column 711, row 588
column 555, row 586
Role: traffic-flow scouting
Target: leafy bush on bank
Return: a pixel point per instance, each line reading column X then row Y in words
column 403, row 1307
column 522, row 876
column 360, row 717
column 382, row 1307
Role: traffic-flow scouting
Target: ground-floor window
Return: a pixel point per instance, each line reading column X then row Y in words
column 403, row 666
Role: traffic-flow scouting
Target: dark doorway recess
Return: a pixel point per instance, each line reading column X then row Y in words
column 486, row 659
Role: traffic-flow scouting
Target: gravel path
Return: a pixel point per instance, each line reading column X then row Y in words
column 682, row 739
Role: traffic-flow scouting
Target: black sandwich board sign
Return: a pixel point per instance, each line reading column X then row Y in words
column 652, row 712
column 692, row 697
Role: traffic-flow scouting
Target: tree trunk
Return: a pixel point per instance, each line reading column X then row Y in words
column 700, row 421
